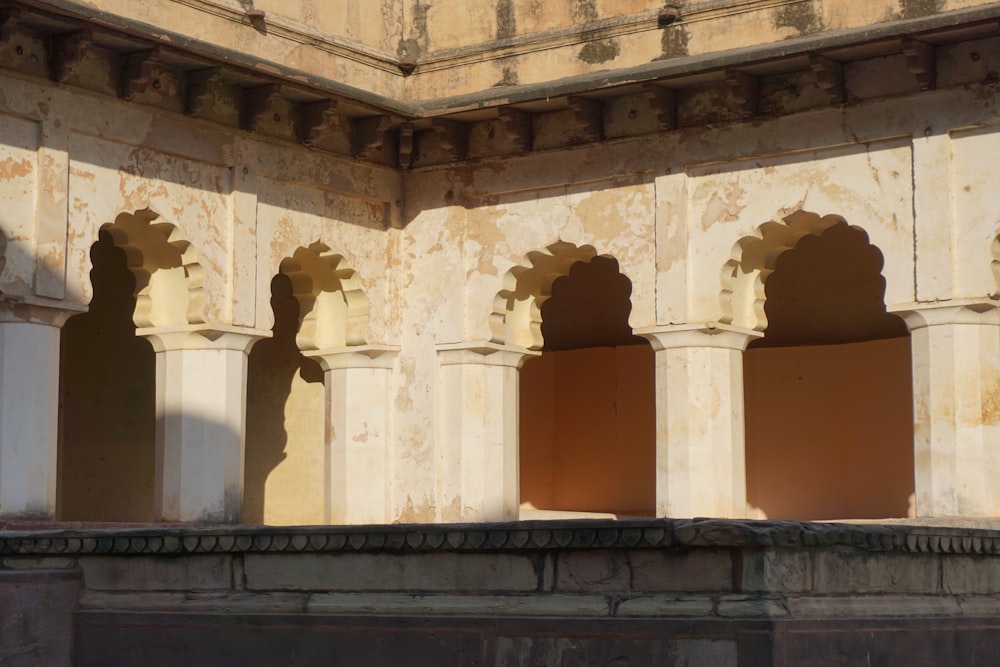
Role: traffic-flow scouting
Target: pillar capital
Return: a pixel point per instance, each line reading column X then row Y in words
column 202, row 337
column 354, row 356
column 706, row 334
column 918, row 315
column 484, row 353
column 37, row 310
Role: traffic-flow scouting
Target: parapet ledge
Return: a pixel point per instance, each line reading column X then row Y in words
column 525, row 536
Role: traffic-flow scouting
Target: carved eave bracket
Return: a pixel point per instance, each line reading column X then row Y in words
column 663, row 103
column 369, row 136
column 452, row 137
column 920, row 62
column 316, row 119
column 200, row 85
column 10, row 15
column 517, row 127
column 829, row 77
column 255, row 103
column 136, row 72
column 67, row 51
column 405, row 145
column 745, row 90
column 588, row 119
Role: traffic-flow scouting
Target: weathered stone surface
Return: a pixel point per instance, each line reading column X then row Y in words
column 593, row 571
column 975, row 575
column 776, row 570
column 146, row 573
column 36, row 617
column 842, row 571
column 480, row 572
column 676, row 570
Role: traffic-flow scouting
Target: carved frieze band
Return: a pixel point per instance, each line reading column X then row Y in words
column 526, row 536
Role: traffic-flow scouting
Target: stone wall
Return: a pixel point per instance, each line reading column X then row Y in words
column 554, row 593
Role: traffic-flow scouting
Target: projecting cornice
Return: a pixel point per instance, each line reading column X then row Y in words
column 517, row 537
column 150, row 65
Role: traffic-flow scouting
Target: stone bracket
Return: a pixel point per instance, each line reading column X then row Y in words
column 255, row 103
column 829, row 76
column 452, row 136
column 745, row 89
column 315, row 119
column 920, row 61
column 663, row 102
column 67, row 52
column 136, row 72
column 369, row 136
column 405, row 146
column 588, row 118
column 200, row 84
column 517, row 126
column 10, row 15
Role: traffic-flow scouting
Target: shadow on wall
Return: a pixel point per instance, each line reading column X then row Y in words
column 285, row 468
column 107, row 401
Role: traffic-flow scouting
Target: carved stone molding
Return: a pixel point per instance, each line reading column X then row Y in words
column 369, row 136
column 920, row 62
column 136, row 72
column 517, row 536
column 67, row 51
column 315, row 119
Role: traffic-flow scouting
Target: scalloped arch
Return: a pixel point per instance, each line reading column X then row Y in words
column 753, row 259
column 169, row 279
column 517, row 308
column 333, row 309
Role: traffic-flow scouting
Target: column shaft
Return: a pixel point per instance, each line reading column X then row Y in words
column 358, row 454
column 700, row 464
column 200, row 422
column 477, row 466
column 29, row 414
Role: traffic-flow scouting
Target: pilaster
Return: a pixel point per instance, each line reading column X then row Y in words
column 477, row 455
column 358, row 456
column 956, row 406
column 700, row 464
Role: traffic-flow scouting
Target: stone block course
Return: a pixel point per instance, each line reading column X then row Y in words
column 675, row 570
column 843, row 571
column 444, row 571
column 194, row 572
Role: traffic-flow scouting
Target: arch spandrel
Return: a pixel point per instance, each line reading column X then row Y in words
column 333, row 308
column 753, row 258
column 169, row 279
column 516, row 319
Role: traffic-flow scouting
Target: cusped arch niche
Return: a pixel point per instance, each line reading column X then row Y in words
column 333, row 309
column 754, row 258
column 517, row 309
column 169, row 280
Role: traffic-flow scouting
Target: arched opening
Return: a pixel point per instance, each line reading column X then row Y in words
column 587, row 408
column 284, row 464
column 107, row 402
column 829, row 408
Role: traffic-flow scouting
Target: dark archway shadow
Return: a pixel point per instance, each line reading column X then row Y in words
column 272, row 368
column 107, row 402
column 587, row 410
column 828, row 390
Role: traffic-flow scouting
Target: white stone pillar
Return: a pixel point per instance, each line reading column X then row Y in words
column 201, row 375
column 29, row 409
column 358, row 457
column 477, row 439
column 956, row 407
column 700, row 464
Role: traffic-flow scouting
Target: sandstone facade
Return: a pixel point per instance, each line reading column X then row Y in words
column 293, row 263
